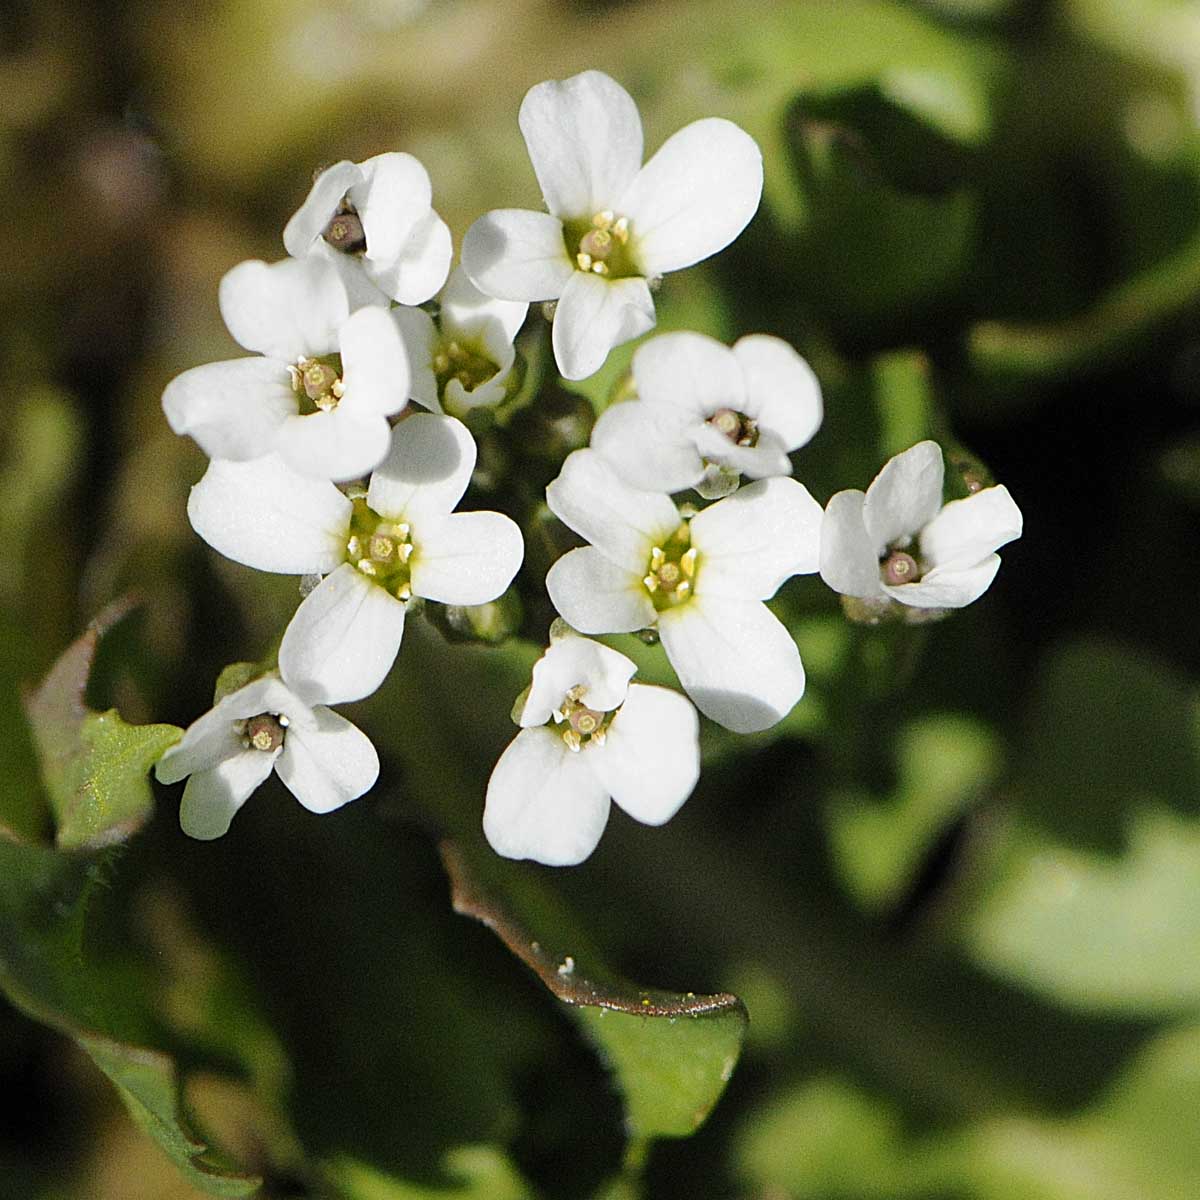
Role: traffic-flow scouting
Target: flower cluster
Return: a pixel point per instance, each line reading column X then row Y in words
column 339, row 453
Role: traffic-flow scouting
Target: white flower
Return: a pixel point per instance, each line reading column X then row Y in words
column 700, row 583
column 269, row 724
column 397, row 540
column 588, row 735
column 373, row 221
column 701, row 405
column 322, row 391
column 464, row 361
column 613, row 224
column 899, row 540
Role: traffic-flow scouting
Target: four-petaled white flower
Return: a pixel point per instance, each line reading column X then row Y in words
column 898, row 540
column 270, row 724
column 613, row 223
column 588, row 735
column 703, row 408
column 700, row 583
column 396, row 540
column 465, row 360
column 322, row 391
column 374, row 221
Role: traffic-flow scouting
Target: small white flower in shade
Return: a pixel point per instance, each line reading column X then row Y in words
column 704, row 409
column 376, row 548
column 465, row 359
column 899, row 541
column 700, row 583
column 613, row 223
column 374, row 222
column 269, row 724
column 320, row 395
column 588, row 736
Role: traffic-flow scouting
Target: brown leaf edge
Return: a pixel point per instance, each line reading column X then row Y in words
column 558, row 972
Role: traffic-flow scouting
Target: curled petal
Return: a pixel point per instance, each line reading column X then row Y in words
column 595, row 595
column 948, row 587
column 328, row 765
column 648, row 446
column 394, row 194
column 905, row 496
column 966, row 531
column 694, row 196
column 689, row 373
column 849, row 562
column 426, row 471
column 782, row 393
column 466, row 558
column 468, row 312
column 750, row 542
column 514, row 254
column 735, row 660
column 585, row 141
column 601, row 673
column 212, row 797
column 333, row 445
column 544, row 802
column 650, row 758
column 312, row 218
column 233, row 409
column 593, row 316
column 285, row 310
column 416, row 273
column 760, row 461
column 421, row 344
column 375, row 367
column 265, row 515
column 342, row 640
column 622, row 521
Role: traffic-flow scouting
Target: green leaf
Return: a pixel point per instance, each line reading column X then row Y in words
column 94, row 765
column 478, row 1172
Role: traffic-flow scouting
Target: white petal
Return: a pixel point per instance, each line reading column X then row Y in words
column 966, row 531
column 750, row 542
column 595, row 595
column 622, row 521
column 426, row 471
column 601, row 673
column 948, row 587
column 312, row 218
column 420, row 268
column 735, row 660
column 342, row 640
column 905, row 496
column 207, row 741
column 328, row 766
column 585, row 141
column 694, row 196
column 458, row 401
column 465, row 558
column 285, row 310
column 782, row 393
column 650, row 759
column 544, row 802
column 690, row 373
column 420, row 343
column 213, row 797
column 849, row 560
column 374, row 365
column 593, row 316
column 265, row 515
column 232, row 409
column 760, row 461
column 467, row 312
column 333, row 445
column 514, row 254
column 648, row 447
column 395, row 193
column 351, row 270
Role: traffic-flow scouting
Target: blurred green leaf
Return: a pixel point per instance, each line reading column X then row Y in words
column 476, row 1172
column 94, row 765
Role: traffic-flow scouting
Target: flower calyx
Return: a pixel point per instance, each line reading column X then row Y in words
column 579, row 725
column 317, row 383
column 672, row 570
column 380, row 549
column 601, row 245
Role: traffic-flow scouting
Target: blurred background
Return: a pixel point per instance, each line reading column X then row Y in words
column 957, row 890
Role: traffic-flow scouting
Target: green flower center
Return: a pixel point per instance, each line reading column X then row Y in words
column 671, row 576
column 380, row 549
column 317, row 383
column 601, row 245
column 466, row 363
